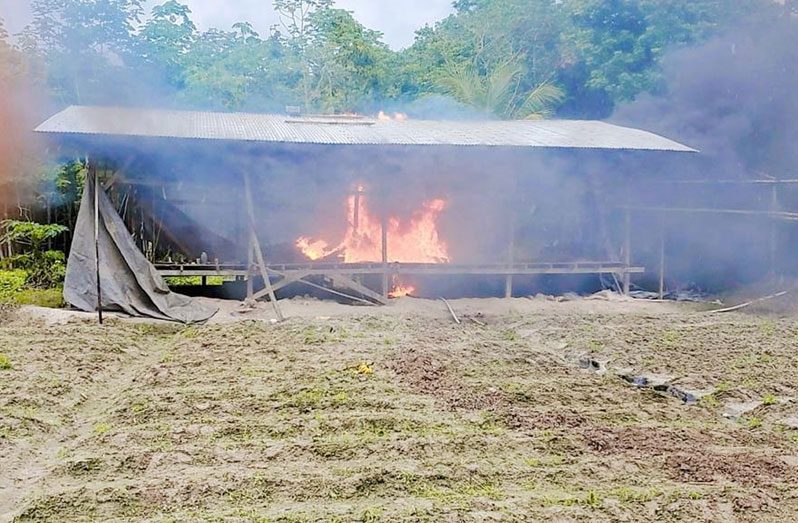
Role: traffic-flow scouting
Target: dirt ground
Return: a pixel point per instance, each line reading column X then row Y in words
column 530, row 410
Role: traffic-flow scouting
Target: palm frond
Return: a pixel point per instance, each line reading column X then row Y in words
column 500, row 87
column 541, row 102
column 463, row 83
column 496, row 91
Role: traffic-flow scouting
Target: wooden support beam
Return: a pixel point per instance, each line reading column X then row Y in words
column 358, row 200
column 662, row 262
column 384, row 227
column 118, row 175
column 95, row 180
column 346, row 281
column 508, row 286
column 333, row 291
column 774, row 229
column 255, row 243
column 610, row 251
column 288, row 279
column 789, row 216
column 627, row 252
column 720, row 182
column 250, row 274
column 508, row 280
column 419, row 269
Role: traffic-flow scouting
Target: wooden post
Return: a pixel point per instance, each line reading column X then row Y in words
column 356, row 217
column 261, row 259
column 94, row 179
column 774, row 233
column 662, row 261
column 508, row 281
column 5, row 217
column 384, row 226
column 511, row 201
column 49, row 219
column 250, row 263
column 508, row 286
column 627, row 252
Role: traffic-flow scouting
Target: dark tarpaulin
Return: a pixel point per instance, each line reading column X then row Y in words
column 130, row 283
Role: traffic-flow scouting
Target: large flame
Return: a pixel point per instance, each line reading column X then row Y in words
column 412, row 241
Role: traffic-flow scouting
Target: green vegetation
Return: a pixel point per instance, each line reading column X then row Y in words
column 12, row 283
column 5, row 362
column 52, row 298
column 14, row 290
column 509, row 58
column 184, row 281
column 44, row 267
column 101, row 428
column 34, row 276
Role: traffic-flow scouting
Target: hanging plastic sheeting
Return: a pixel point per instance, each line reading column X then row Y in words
column 129, row 282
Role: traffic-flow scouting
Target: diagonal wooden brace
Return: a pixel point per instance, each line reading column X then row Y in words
column 288, row 279
column 340, row 279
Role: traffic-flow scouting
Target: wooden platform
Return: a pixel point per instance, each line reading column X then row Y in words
column 345, row 274
column 321, row 269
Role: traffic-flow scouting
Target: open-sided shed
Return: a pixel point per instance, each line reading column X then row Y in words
column 133, row 146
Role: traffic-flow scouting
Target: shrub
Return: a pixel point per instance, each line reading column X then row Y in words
column 188, row 281
column 45, row 268
column 15, row 291
column 11, row 283
column 52, row 298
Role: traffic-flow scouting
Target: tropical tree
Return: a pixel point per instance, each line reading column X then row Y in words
column 347, row 62
column 296, row 17
column 86, row 45
column 166, row 39
column 13, row 64
column 44, row 267
column 20, row 76
column 501, row 58
column 238, row 70
column 294, row 31
column 497, row 91
column 601, row 53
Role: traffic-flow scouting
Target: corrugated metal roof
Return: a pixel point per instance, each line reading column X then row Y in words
column 581, row 134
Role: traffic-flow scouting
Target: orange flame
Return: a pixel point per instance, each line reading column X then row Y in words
column 315, row 250
column 414, row 241
column 400, row 290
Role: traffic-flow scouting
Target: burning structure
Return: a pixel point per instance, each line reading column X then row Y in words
column 355, row 206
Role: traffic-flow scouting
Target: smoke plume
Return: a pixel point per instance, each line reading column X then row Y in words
column 16, row 122
column 735, row 99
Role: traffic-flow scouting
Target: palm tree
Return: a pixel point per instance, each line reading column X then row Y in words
column 497, row 91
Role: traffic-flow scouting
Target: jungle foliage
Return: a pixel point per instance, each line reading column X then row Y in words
column 505, row 58
column 43, row 267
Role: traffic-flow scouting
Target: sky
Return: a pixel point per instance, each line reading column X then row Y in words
column 397, row 19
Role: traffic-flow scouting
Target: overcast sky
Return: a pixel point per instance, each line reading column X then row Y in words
column 398, row 19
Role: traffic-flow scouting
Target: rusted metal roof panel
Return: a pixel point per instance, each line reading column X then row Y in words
column 331, row 130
